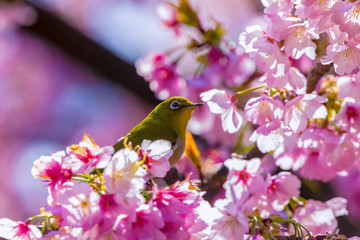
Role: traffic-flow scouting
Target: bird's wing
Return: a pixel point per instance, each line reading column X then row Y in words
column 121, row 139
column 120, row 143
column 157, row 130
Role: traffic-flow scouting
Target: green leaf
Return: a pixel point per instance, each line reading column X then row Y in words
column 256, row 213
column 187, row 15
column 275, row 226
column 146, row 194
column 274, row 232
column 296, row 202
column 278, row 220
column 214, row 36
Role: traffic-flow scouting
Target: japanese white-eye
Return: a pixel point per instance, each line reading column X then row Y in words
column 167, row 121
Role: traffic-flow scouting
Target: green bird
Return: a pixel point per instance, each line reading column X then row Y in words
column 167, row 121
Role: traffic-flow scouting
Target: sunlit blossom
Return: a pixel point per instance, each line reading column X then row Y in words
column 145, row 222
column 302, row 108
column 156, row 156
column 280, row 188
column 262, row 110
column 88, row 154
column 54, row 171
column 219, row 102
column 164, row 79
column 18, row 230
column 319, row 217
column 349, row 86
column 346, row 14
column 124, row 175
column 244, row 176
column 346, row 57
column 232, row 224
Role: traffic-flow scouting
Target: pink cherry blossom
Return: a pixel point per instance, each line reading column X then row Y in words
column 206, row 214
column 253, row 35
column 54, row 171
column 280, row 188
column 326, row 153
column 335, row 35
column 112, row 206
column 18, row 230
column 296, row 81
column 348, row 116
column 88, row 154
column 304, row 65
column 244, row 176
column 264, row 109
column 349, row 188
column 314, row 8
column 346, row 57
column 320, row 15
column 270, row 60
column 264, row 50
column 302, row 108
column 51, row 168
column 82, row 210
column 274, row 136
column 219, row 102
column 281, row 7
column 296, row 34
column 232, row 224
column 346, row 14
column 231, row 66
column 319, row 217
column 168, row 16
column 349, row 86
column 291, row 79
column 156, row 156
column 273, row 62
column 145, row 222
column 293, row 159
column 73, row 234
column 178, row 205
column 278, row 27
column 345, row 154
column 124, row 175
column 164, row 79
column 299, row 41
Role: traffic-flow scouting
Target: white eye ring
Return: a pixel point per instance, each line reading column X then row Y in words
column 174, row 105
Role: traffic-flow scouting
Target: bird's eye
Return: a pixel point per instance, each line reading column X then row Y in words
column 174, row 105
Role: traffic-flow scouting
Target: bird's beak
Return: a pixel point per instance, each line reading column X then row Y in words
column 195, row 105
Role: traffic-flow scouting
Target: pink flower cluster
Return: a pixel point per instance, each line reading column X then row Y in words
column 305, row 132
column 247, row 189
column 96, row 194
column 162, row 75
column 116, row 203
column 306, row 118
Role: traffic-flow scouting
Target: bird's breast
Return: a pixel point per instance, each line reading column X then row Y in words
column 178, row 150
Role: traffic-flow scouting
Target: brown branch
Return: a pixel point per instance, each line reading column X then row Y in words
column 315, row 75
column 214, row 185
column 84, row 49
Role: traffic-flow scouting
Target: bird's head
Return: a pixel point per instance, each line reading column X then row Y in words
column 176, row 111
